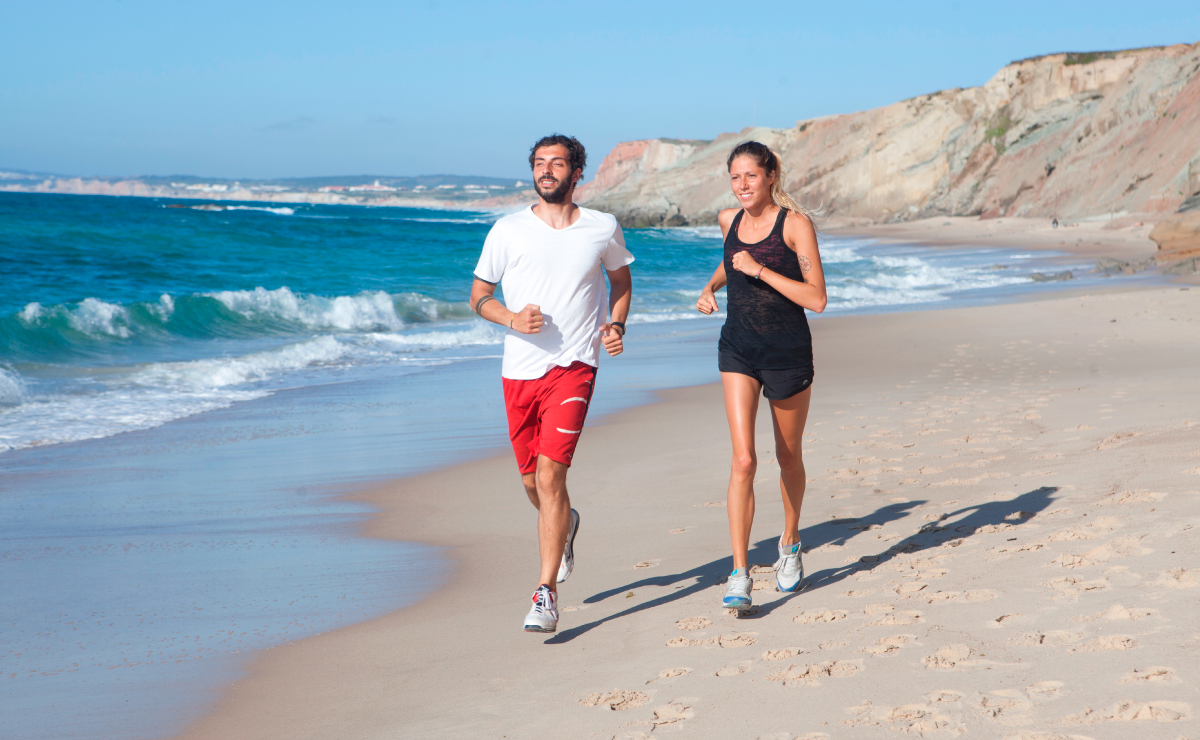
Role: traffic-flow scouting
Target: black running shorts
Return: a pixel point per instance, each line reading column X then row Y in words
column 776, row 384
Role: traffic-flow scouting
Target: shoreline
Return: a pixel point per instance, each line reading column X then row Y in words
column 386, row 668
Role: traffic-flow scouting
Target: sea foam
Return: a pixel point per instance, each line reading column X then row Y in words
column 257, row 367
column 367, row 310
column 12, row 388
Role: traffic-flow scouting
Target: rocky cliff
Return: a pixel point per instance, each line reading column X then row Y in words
column 1064, row 135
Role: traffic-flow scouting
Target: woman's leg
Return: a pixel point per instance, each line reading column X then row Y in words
column 789, row 416
column 741, row 406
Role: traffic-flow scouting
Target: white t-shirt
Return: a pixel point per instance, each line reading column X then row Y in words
column 559, row 270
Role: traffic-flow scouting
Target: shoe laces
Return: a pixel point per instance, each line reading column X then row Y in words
column 541, row 600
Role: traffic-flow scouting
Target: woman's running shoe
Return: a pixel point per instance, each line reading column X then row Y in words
column 543, row 617
column 789, row 571
column 738, row 588
column 568, row 559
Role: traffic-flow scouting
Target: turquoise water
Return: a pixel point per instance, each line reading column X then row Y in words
column 123, row 313
column 184, row 392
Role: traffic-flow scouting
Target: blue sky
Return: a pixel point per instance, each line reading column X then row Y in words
column 266, row 89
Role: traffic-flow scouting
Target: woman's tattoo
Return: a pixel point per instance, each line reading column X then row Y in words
column 805, row 265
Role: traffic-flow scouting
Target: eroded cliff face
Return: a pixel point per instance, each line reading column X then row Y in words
column 1066, row 136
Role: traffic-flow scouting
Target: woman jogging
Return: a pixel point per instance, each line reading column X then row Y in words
column 773, row 272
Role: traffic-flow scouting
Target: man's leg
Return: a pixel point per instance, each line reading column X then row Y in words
column 549, row 495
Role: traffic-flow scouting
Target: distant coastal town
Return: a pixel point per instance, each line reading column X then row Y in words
column 445, row 191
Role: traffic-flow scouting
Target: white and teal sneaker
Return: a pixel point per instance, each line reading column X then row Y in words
column 543, row 617
column 738, row 588
column 568, row 559
column 789, row 571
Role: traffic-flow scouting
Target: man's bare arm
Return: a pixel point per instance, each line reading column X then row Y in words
column 619, row 296
column 483, row 302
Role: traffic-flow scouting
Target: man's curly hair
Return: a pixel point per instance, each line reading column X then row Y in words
column 575, row 151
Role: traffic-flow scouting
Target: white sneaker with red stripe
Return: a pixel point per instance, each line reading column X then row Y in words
column 543, row 617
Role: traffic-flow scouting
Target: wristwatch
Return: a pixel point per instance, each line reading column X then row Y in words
column 620, row 324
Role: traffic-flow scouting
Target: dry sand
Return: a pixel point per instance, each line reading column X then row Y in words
column 999, row 535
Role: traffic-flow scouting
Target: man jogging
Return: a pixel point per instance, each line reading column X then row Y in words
column 549, row 259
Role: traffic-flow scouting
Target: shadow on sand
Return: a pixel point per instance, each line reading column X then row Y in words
column 948, row 531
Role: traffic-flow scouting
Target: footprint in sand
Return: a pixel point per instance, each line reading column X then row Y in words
column 1133, row 711
column 812, row 673
column 1006, row 706
column 873, row 609
column 732, row 640
column 734, row 669
column 677, row 531
column 616, row 700
column 1045, row 690
column 647, row 564
column 1019, row 516
column 858, row 594
column 1132, row 497
column 1049, row 639
column 1069, row 589
column 813, row 617
column 673, row 714
column 1119, row 547
column 953, row 658
column 1179, row 578
column 974, row 596
column 888, row 645
column 908, row 718
column 1102, row 526
column 1108, row 642
column 782, row 654
column 713, row 504
column 1153, row 674
column 691, row 624
column 897, row 618
column 670, row 674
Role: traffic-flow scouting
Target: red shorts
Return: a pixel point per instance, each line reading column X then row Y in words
column 545, row 416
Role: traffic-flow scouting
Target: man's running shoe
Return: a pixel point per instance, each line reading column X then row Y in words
column 543, row 617
column 568, row 558
column 789, row 571
column 737, row 592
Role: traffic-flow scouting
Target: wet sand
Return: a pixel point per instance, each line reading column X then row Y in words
column 1119, row 238
column 998, row 534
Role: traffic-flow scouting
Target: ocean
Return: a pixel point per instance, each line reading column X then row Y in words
column 186, row 388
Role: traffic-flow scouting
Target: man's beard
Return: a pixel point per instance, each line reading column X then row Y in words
column 556, row 196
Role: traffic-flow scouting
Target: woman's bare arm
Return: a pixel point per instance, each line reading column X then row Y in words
column 799, row 235
column 708, row 299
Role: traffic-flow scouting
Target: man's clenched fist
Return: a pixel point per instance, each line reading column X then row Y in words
column 528, row 320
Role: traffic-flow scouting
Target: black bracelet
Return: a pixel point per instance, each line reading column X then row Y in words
column 482, row 300
column 620, row 324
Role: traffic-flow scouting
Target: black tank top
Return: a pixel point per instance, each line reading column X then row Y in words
column 765, row 328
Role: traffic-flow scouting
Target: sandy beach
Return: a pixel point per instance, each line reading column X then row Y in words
column 998, row 539
column 1122, row 238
